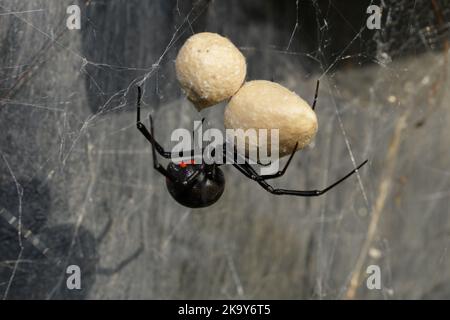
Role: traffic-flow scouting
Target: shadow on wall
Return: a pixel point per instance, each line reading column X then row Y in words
column 39, row 276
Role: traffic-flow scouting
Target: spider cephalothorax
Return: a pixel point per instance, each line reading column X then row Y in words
column 201, row 185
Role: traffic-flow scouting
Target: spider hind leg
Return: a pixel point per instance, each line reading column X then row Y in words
column 250, row 173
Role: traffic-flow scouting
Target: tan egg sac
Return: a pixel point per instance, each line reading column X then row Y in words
column 210, row 69
column 263, row 104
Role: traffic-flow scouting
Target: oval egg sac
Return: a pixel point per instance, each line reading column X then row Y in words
column 262, row 104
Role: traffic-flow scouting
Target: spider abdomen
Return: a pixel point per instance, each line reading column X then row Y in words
column 201, row 191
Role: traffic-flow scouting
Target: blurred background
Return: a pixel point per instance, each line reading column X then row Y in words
column 77, row 184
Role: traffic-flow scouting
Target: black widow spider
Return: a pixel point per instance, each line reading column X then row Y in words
column 201, row 185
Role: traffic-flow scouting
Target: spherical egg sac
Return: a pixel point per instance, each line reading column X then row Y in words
column 210, row 69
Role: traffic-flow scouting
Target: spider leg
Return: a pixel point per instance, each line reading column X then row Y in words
column 250, row 173
column 244, row 171
column 158, row 167
column 281, row 173
column 274, row 175
column 201, row 124
column 315, row 95
column 141, row 127
column 150, row 136
column 263, row 164
column 192, row 152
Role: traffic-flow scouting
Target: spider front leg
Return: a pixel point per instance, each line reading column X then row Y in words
column 144, row 131
column 150, row 137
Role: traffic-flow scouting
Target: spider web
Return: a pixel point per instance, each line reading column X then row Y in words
column 77, row 184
